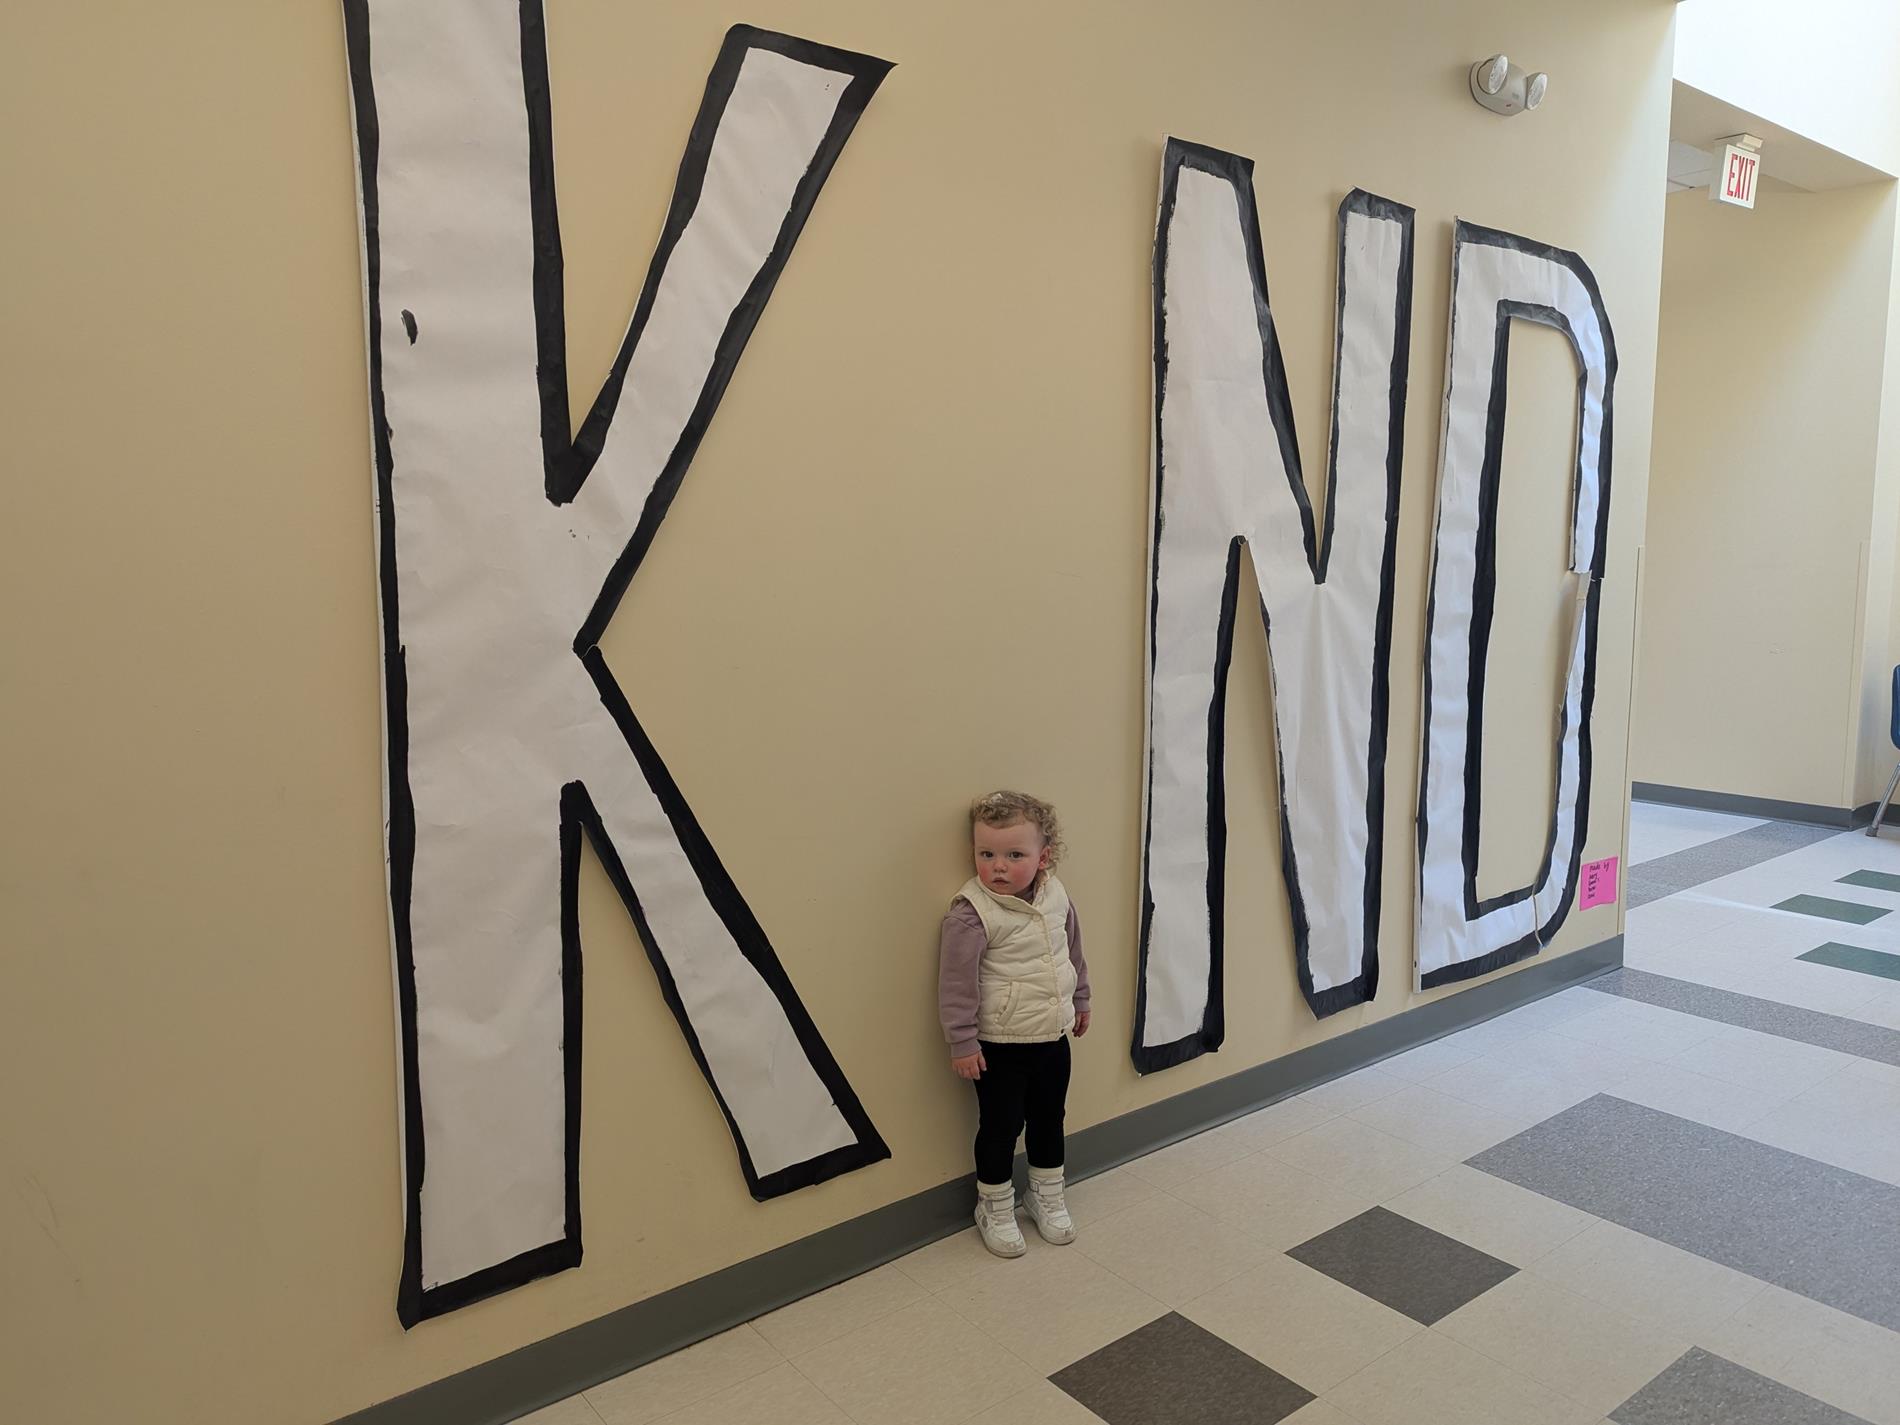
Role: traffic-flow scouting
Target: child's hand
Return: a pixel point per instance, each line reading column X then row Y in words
column 969, row 1066
column 1081, row 1023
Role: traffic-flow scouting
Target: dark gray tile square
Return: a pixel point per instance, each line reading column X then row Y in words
column 1171, row 1372
column 1815, row 1229
column 1855, row 957
column 1402, row 1264
column 1702, row 1389
column 1872, row 880
column 1852, row 912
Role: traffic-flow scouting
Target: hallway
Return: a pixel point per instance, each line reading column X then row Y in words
column 1670, row 1196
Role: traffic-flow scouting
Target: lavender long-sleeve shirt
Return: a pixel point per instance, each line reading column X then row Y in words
column 961, row 952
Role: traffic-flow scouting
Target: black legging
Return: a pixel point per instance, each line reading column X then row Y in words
column 1021, row 1083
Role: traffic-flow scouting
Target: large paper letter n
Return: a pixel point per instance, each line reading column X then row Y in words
column 1226, row 478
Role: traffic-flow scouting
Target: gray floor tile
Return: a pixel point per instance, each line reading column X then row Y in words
column 1827, row 908
column 1872, row 880
column 1855, row 957
column 1818, row 1230
column 1807, row 1026
column 1403, row 1264
column 1171, row 1372
column 1678, row 871
column 1701, row 1389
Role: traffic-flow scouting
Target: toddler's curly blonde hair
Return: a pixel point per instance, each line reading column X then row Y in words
column 1005, row 808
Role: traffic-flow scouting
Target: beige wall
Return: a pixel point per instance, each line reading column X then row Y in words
column 948, row 393
column 1816, row 69
column 1880, row 640
column 1768, row 393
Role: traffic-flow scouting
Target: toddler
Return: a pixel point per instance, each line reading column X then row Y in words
column 1011, row 985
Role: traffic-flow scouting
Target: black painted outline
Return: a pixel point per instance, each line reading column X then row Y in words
column 1484, row 596
column 1238, row 171
column 567, row 463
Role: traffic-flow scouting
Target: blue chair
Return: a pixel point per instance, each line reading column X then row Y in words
column 1893, row 733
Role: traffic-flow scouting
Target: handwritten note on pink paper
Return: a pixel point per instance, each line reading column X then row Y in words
column 1597, row 886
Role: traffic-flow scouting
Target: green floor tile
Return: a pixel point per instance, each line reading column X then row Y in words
column 1873, row 880
column 1855, row 957
column 1849, row 911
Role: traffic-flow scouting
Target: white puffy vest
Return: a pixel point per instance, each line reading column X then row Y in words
column 1026, row 983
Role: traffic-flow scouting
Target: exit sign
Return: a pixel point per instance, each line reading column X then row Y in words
column 1734, row 180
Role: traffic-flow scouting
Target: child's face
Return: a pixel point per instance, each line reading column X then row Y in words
column 1008, row 857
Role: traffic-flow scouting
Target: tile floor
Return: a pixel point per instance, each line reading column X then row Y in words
column 1672, row 1195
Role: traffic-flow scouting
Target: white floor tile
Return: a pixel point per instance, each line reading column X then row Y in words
column 1637, row 1029
column 1350, row 1091
column 1873, row 1069
column 1430, row 1379
column 573, row 1411
column 1511, row 1223
column 831, row 1313
column 1843, row 1120
column 1764, row 1062
column 1429, row 1060
column 1311, row 1329
column 1361, row 1160
column 1492, row 1034
column 1670, row 1088
column 1590, row 1066
column 781, row 1396
column 1184, row 1161
column 1764, row 936
column 1764, row 1333
column 1276, row 1121
column 1318, row 1412
column 1494, row 1082
column 1275, row 1203
column 1486, row 1037
column 1102, row 1196
column 924, row 1365
column 684, row 1378
column 1883, row 1009
column 1041, row 1404
column 1439, row 1122
column 1584, row 1350
column 1818, row 987
column 1554, row 1009
column 1673, row 1290
column 1675, row 919
column 1700, row 963
column 1169, row 1249
column 1851, row 1364
column 948, row 1261
column 1052, row 1308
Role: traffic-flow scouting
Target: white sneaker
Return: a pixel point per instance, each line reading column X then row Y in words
column 996, row 1219
column 1046, row 1206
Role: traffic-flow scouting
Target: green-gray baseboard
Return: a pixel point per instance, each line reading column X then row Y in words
column 539, row 1374
column 1737, row 804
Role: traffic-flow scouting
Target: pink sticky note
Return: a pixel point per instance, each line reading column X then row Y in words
column 1597, row 885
